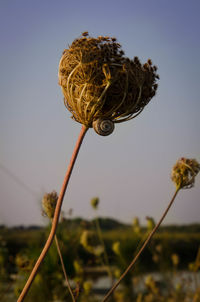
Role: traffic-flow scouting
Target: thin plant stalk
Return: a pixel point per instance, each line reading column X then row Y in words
column 99, row 232
column 63, row 268
column 56, row 215
column 142, row 248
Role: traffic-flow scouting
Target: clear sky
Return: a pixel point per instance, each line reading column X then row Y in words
column 130, row 169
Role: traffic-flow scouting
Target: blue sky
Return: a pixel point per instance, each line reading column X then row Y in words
column 130, row 169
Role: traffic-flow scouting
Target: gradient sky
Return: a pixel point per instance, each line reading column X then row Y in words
column 130, row 169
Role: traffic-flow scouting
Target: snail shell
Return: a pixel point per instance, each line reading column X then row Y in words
column 103, row 127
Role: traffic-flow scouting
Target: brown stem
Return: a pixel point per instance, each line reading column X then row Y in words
column 56, row 215
column 63, row 268
column 142, row 248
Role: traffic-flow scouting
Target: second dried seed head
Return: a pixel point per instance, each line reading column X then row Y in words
column 49, row 202
column 184, row 172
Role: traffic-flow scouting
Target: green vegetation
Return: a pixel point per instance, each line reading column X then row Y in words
column 173, row 249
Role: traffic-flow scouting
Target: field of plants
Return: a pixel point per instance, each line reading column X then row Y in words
column 95, row 253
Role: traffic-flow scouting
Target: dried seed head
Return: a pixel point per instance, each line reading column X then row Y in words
column 184, row 172
column 95, row 202
column 89, row 241
column 116, row 248
column 151, row 284
column 136, row 225
column 150, row 223
column 175, row 259
column 78, row 267
column 23, row 262
column 99, row 82
column 87, row 238
column 87, row 287
column 136, row 222
column 49, row 202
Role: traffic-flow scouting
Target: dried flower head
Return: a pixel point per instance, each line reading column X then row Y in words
column 136, row 222
column 23, row 262
column 136, row 225
column 150, row 223
column 175, row 259
column 87, row 287
column 184, row 172
column 151, row 285
column 78, row 267
column 99, row 82
column 117, row 273
column 116, row 247
column 89, row 241
column 95, row 202
column 49, row 203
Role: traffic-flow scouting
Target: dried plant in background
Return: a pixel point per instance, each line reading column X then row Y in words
column 183, row 175
column 49, row 202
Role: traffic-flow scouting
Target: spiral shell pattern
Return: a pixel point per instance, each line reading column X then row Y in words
column 103, row 127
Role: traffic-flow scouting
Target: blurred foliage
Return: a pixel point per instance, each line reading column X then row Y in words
column 173, row 248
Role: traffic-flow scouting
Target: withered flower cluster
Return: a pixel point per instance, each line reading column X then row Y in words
column 94, row 202
column 99, row 82
column 23, row 262
column 184, row 172
column 49, row 202
column 90, row 243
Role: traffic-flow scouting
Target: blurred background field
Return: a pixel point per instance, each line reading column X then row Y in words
column 168, row 268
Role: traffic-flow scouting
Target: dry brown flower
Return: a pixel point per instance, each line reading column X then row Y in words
column 99, row 82
column 184, row 172
column 49, row 202
column 94, row 202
